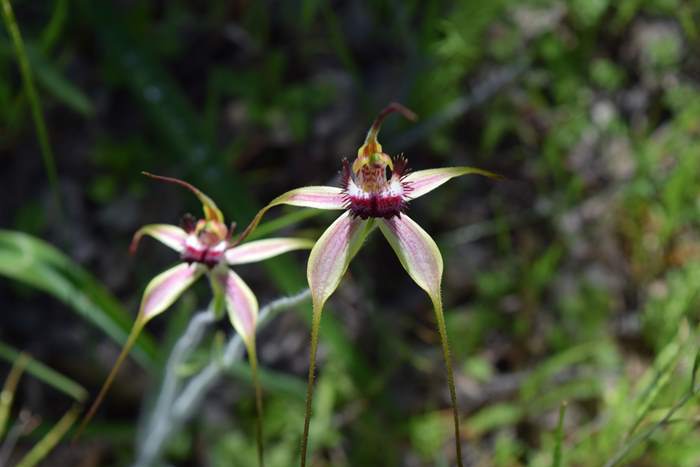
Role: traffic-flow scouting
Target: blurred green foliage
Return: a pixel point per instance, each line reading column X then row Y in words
column 577, row 280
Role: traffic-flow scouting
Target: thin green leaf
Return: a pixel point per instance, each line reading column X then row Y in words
column 694, row 373
column 46, row 374
column 559, row 437
column 52, row 438
column 37, row 264
column 8, row 391
column 50, row 78
column 8, row 17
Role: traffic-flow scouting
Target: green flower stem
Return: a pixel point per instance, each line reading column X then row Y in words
column 130, row 341
column 253, row 358
column 315, row 326
column 439, row 316
column 192, row 394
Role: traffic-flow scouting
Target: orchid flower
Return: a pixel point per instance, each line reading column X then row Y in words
column 205, row 248
column 370, row 197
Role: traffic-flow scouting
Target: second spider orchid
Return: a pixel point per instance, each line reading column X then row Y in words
column 205, row 248
column 375, row 191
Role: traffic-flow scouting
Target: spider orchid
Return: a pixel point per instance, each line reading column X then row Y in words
column 205, row 248
column 374, row 192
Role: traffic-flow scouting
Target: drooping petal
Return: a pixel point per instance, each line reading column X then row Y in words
column 160, row 293
column 421, row 258
column 211, row 211
column 318, row 197
column 424, row 181
column 241, row 304
column 259, row 250
column 417, row 251
column 332, row 253
column 165, row 288
column 169, row 235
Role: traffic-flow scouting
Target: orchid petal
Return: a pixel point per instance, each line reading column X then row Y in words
column 421, row 258
column 165, row 288
column 160, row 293
column 241, row 304
column 169, row 235
column 259, row 250
column 424, row 181
column 332, row 253
column 328, row 261
column 417, row 252
column 211, row 211
column 318, row 197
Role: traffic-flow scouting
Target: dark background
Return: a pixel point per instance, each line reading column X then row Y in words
column 576, row 279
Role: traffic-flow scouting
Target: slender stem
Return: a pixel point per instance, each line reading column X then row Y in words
column 253, row 358
column 192, row 394
column 37, row 114
column 168, row 390
column 315, row 325
column 439, row 316
column 130, row 341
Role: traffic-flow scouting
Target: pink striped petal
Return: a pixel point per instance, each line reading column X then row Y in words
column 318, row 197
column 424, row 181
column 259, row 250
column 169, row 235
column 332, row 253
column 241, row 304
column 417, row 251
column 165, row 288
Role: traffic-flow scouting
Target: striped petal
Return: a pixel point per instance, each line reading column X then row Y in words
column 211, row 211
column 165, row 288
column 169, row 235
column 332, row 253
column 241, row 304
column 318, row 197
column 160, row 293
column 417, row 251
column 259, row 250
column 424, row 181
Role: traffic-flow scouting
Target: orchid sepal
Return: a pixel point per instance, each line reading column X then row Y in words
column 169, row 235
column 241, row 303
column 332, row 253
column 259, row 250
column 417, row 252
column 425, row 181
column 318, row 197
column 211, row 211
column 165, row 288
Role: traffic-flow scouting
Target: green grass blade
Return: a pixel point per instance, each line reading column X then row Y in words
column 45, row 374
column 37, row 264
column 48, row 442
column 51, row 79
column 8, row 391
column 559, row 437
column 8, row 17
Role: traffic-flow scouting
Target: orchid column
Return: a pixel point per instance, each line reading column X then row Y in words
column 375, row 192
